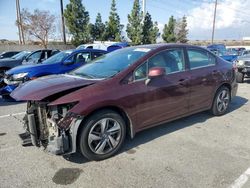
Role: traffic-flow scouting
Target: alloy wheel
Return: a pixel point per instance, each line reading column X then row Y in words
column 104, row 136
column 223, row 101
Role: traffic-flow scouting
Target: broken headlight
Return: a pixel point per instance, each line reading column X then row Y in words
column 61, row 116
column 65, row 122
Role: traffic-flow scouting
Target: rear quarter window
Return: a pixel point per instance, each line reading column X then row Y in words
column 200, row 58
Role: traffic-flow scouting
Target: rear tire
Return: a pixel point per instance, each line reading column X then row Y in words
column 221, row 101
column 102, row 136
column 240, row 77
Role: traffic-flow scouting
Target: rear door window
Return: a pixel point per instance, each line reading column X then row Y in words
column 96, row 54
column 81, row 57
column 200, row 58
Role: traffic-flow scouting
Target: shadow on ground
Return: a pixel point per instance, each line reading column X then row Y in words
column 164, row 129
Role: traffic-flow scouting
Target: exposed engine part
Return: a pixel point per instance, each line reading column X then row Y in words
column 52, row 129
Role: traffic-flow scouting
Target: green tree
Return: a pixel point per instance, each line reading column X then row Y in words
column 155, row 33
column 169, row 31
column 77, row 22
column 149, row 30
column 98, row 29
column 113, row 26
column 134, row 26
column 182, row 30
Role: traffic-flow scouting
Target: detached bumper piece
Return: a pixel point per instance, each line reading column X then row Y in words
column 59, row 145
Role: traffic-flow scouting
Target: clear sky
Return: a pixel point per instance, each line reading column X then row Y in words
column 232, row 16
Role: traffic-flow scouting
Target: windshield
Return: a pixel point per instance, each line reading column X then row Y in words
column 110, row 64
column 20, row 55
column 58, row 57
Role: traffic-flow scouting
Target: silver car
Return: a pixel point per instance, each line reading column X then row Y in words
column 243, row 66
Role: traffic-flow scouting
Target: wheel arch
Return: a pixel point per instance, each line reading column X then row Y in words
column 120, row 111
column 225, row 84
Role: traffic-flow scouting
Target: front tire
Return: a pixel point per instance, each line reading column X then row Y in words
column 221, row 101
column 102, row 135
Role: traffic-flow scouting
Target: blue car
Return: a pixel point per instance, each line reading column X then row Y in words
column 220, row 50
column 60, row 63
column 117, row 46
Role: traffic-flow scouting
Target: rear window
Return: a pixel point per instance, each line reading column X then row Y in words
column 199, row 58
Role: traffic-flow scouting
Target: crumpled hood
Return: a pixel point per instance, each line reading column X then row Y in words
column 44, row 87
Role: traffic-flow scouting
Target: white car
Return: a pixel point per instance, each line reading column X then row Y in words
column 97, row 45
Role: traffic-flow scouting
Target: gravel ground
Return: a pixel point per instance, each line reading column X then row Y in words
column 197, row 151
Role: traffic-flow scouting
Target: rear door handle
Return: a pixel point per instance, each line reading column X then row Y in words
column 182, row 80
column 215, row 72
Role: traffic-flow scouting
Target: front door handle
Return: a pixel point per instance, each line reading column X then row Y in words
column 183, row 82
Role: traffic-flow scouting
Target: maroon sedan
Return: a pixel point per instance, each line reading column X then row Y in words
column 121, row 93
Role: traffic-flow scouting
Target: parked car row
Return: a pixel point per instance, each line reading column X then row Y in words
column 60, row 63
column 10, row 62
column 226, row 54
column 24, row 57
column 240, row 57
column 8, row 54
column 108, row 46
column 93, row 108
column 243, row 68
column 11, row 77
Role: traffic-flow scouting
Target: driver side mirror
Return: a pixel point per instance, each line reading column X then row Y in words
column 68, row 62
column 155, row 72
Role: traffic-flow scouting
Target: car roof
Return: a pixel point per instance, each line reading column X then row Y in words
column 45, row 50
column 165, row 45
column 84, row 50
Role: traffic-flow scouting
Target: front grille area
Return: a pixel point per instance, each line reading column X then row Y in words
column 40, row 114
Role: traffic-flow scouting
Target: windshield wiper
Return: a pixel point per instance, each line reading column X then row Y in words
column 84, row 75
column 116, row 72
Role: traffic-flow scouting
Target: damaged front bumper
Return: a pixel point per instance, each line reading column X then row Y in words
column 57, row 141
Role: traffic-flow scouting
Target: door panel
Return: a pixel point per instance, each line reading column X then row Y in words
column 203, row 78
column 164, row 97
column 202, row 87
